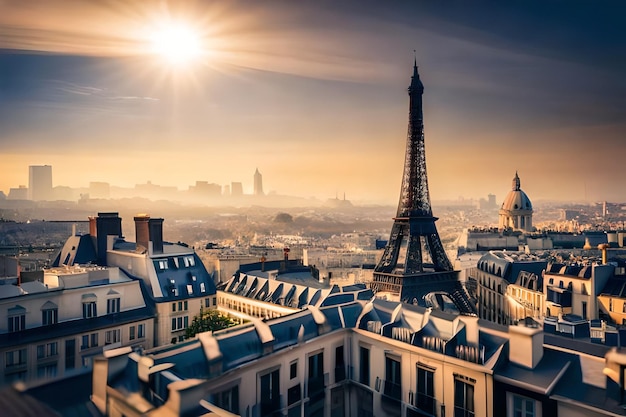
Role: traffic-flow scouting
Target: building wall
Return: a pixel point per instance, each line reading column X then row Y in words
column 242, row 308
column 492, row 304
column 182, row 311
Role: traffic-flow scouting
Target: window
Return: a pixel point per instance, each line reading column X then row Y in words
column 227, row 399
column 70, row 354
column 293, row 395
column 393, row 379
column 112, row 336
column 364, row 366
column 610, row 304
column 47, row 350
column 131, row 333
column 182, row 306
column 340, row 367
column 113, row 305
column 180, row 323
column 316, row 375
column 15, row 358
column 162, row 264
column 89, row 309
column 47, row 371
column 89, row 341
column 17, row 323
column 16, row 319
column 463, row 397
column 520, row 406
column 269, row 392
column 293, row 369
column 207, row 301
column 425, row 389
column 202, row 287
column 141, row 331
column 189, row 289
column 189, row 261
column 214, row 301
column 49, row 316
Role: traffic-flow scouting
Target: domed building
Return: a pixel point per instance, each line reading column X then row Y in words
column 517, row 211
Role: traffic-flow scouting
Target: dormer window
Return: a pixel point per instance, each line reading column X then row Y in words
column 203, row 288
column 162, row 264
column 17, row 319
column 113, row 305
column 189, row 289
column 189, row 261
column 49, row 313
column 173, row 287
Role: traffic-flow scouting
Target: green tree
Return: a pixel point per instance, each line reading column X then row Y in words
column 208, row 320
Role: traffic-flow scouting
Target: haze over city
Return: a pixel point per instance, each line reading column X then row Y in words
column 314, row 95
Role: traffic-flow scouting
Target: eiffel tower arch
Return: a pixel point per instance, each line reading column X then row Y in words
column 414, row 267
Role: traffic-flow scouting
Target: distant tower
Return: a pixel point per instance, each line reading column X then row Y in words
column 258, row 183
column 236, row 189
column 517, row 211
column 40, row 183
column 414, row 265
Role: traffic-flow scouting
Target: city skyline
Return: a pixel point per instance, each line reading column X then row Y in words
column 315, row 96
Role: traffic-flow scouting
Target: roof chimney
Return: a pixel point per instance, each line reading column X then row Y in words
column 525, row 344
column 156, row 234
column 142, row 231
column 603, row 247
column 107, row 224
column 92, row 226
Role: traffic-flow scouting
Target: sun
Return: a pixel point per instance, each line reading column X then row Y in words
column 177, row 44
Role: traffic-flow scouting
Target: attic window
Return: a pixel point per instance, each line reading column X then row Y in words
column 163, row 264
column 189, row 289
column 189, row 261
column 193, row 278
column 203, row 288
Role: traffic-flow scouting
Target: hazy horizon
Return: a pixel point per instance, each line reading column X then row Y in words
column 314, row 96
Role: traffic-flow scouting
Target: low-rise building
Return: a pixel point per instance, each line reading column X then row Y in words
column 574, row 289
column 176, row 280
column 495, row 272
column 55, row 327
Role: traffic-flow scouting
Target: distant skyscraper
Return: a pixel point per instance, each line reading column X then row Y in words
column 258, row 183
column 40, row 182
column 236, row 189
column 414, row 266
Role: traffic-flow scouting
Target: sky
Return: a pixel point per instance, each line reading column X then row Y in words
column 314, row 95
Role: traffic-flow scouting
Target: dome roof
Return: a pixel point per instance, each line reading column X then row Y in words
column 516, row 199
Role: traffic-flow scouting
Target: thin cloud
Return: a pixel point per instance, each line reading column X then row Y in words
column 82, row 90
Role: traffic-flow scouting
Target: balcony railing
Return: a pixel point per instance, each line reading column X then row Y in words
column 392, row 389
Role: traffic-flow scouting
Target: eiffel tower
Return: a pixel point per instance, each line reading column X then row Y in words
column 414, row 267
